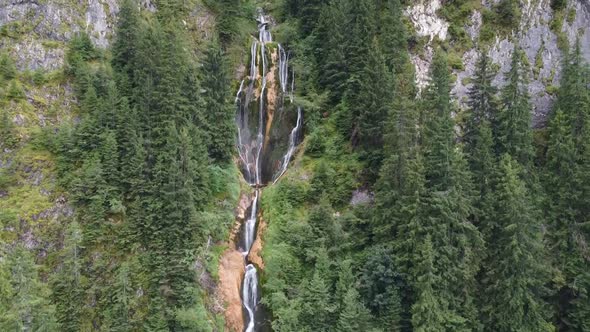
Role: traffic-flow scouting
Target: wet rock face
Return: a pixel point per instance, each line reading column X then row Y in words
column 536, row 38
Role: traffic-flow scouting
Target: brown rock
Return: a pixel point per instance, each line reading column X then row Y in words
column 231, row 272
column 255, row 255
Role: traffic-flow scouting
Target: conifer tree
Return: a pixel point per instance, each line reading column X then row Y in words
column 68, row 282
column 317, row 307
column 517, row 274
column 429, row 311
column 122, row 302
column 331, row 43
column 353, row 316
column 7, row 67
column 7, row 133
column 125, row 46
column 482, row 101
column 226, row 24
column 449, row 204
column 219, row 111
column 24, row 299
column 514, row 119
column 393, row 37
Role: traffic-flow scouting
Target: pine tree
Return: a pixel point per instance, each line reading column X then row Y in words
column 393, row 37
column 482, row 101
column 331, row 53
column 24, row 299
column 67, row 283
column 429, row 311
column 353, row 316
column 7, row 67
column 514, row 120
column 517, row 274
column 317, row 307
column 125, row 46
column 449, row 204
column 219, row 111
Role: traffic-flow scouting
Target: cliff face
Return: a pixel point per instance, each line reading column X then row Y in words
column 539, row 32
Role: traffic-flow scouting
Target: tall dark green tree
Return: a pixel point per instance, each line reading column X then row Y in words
column 125, row 46
column 24, row 299
column 449, row 202
column 68, row 283
column 517, row 274
column 218, row 108
column 331, row 49
column 482, row 101
column 514, row 119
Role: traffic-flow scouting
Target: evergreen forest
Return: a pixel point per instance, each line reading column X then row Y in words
column 402, row 207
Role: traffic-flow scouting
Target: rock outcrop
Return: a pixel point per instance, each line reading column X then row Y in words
column 534, row 36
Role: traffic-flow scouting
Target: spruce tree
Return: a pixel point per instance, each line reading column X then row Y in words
column 353, row 316
column 219, row 110
column 517, row 276
column 393, row 37
column 482, row 101
column 449, row 204
column 514, row 119
column 429, row 311
column 331, row 53
column 68, row 282
column 24, row 299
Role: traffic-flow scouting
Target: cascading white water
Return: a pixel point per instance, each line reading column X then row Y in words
column 293, row 141
column 254, row 148
column 283, row 68
column 250, row 229
column 250, row 295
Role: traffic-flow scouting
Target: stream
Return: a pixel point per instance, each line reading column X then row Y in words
column 270, row 127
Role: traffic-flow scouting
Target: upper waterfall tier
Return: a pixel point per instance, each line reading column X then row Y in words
column 269, row 123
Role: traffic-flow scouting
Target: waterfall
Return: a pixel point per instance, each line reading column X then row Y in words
column 250, row 229
column 293, row 141
column 283, row 68
column 257, row 139
column 250, row 294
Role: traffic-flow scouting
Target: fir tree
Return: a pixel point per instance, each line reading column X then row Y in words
column 7, row 67
column 353, row 316
column 449, row 204
column 24, row 299
column 393, row 37
column 68, row 282
column 482, row 101
column 429, row 311
column 517, row 275
column 219, row 111
column 514, row 120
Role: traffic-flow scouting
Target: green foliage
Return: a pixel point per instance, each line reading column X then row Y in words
column 8, row 136
column 23, row 297
column 558, row 4
column 514, row 119
column 517, row 273
column 7, row 68
column 219, row 115
column 508, row 13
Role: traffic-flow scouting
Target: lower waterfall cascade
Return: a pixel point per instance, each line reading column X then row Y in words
column 265, row 114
